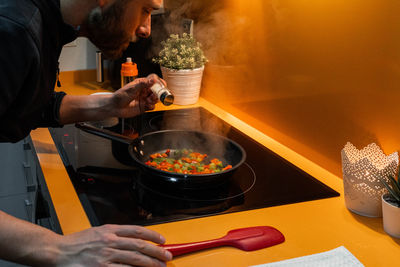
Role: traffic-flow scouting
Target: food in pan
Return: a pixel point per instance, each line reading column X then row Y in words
column 186, row 161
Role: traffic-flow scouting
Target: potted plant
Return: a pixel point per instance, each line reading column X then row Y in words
column 182, row 64
column 391, row 206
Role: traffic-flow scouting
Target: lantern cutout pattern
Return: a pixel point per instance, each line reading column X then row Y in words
column 362, row 174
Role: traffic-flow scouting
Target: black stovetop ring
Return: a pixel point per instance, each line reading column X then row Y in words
column 242, row 181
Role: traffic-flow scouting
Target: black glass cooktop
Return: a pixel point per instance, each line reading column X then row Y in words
column 113, row 190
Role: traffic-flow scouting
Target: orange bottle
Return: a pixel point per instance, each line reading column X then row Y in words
column 129, row 72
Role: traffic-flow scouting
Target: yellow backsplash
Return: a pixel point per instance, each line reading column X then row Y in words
column 311, row 74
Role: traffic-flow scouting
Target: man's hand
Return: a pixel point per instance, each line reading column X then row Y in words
column 107, row 245
column 136, row 97
column 131, row 100
column 113, row 245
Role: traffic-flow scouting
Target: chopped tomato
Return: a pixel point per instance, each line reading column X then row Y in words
column 227, row 168
column 185, row 161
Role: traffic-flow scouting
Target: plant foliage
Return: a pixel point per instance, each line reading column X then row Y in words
column 393, row 187
column 181, row 52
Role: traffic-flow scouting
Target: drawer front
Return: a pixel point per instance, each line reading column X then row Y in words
column 14, row 169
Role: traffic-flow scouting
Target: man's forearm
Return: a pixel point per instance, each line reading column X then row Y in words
column 85, row 108
column 129, row 101
column 27, row 243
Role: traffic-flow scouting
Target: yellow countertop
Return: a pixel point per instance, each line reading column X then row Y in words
column 309, row 227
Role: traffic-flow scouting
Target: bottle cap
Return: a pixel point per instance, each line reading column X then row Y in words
column 129, row 68
column 167, row 99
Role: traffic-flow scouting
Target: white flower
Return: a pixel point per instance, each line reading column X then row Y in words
column 181, row 53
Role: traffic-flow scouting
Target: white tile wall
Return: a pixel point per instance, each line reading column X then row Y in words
column 78, row 55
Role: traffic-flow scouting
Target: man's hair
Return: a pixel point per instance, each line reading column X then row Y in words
column 105, row 29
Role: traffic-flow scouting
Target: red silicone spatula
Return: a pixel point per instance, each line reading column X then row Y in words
column 248, row 239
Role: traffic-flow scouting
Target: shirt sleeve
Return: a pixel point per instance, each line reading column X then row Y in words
column 20, row 74
column 15, row 61
column 51, row 114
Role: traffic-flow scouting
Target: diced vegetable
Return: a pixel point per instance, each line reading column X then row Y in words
column 185, row 161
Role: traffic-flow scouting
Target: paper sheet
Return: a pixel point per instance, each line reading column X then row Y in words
column 337, row 257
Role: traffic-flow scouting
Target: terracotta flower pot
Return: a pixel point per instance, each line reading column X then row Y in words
column 184, row 84
column 391, row 216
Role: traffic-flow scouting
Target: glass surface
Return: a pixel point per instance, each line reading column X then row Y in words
column 113, row 190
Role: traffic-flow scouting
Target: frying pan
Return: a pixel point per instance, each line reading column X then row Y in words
column 215, row 146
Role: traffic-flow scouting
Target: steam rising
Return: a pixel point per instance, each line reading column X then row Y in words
column 195, row 120
column 213, row 29
column 229, row 40
column 212, row 145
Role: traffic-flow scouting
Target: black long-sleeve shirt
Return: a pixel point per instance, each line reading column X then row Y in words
column 32, row 34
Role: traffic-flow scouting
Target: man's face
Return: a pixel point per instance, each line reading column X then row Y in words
column 119, row 22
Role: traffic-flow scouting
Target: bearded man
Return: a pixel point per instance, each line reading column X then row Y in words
column 33, row 33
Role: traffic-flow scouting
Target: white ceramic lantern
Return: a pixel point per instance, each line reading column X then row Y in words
column 362, row 173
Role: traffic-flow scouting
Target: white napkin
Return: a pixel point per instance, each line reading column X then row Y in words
column 333, row 258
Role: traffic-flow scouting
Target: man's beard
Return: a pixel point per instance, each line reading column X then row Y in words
column 106, row 30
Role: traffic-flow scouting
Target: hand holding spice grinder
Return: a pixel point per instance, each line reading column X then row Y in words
column 129, row 72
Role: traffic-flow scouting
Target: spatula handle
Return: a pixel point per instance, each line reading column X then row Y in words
column 179, row 249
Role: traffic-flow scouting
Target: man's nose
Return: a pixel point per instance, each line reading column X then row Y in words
column 144, row 30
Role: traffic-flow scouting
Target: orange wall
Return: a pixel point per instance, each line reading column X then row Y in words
column 311, row 74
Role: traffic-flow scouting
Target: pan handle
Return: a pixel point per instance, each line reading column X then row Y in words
column 104, row 133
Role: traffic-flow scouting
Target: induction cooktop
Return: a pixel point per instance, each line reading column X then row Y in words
column 112, row 189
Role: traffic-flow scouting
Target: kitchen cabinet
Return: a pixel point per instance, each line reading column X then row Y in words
column 23, row 191
column 17, row 170
column 18, row 186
